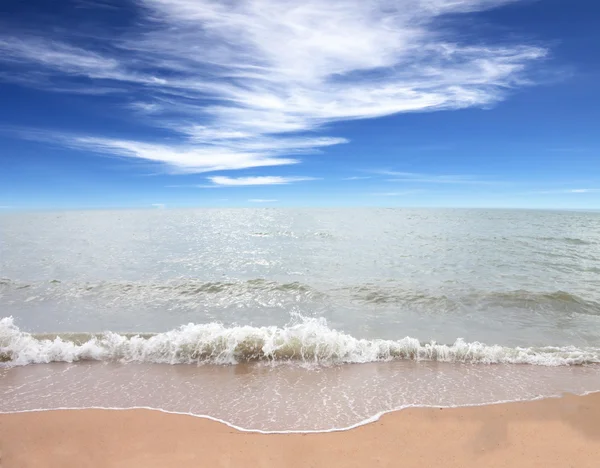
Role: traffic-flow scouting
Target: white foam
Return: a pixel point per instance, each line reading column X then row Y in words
column 309, row 340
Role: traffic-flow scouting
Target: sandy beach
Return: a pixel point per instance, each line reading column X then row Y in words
column 556, row 432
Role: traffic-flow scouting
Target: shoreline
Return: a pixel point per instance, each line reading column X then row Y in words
column 556, row 431
column 370, row 420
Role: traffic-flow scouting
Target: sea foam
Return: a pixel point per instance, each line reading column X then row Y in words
column 309, row 340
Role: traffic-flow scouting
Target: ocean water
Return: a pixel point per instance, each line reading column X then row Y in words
column 296, row 320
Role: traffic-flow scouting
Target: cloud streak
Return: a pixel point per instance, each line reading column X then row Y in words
column 184, row 158
column 252, row 83
column 413, row 177
column 259, row 180
column 396, row 194
column 574, row 191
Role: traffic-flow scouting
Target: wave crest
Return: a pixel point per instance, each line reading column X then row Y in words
column 192, row 293
column 308, row 341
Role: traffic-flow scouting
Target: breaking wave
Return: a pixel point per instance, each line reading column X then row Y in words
column 308, row 341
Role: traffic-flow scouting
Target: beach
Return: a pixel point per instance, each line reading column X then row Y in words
column 555, row 432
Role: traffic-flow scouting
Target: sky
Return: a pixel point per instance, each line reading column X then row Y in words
column 182, row 103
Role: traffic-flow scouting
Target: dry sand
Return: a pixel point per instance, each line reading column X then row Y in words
column 559, row 432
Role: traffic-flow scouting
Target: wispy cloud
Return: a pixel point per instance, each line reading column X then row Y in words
column 223, row 181
column 357, row 178
column 434, row 178
column 261, row 200
column 60, row 57
column 259, row 180
column 396, row 194
column 577, row 190
column 237, row 82
column 569, row 149
column 103, row 4
column 177, row 158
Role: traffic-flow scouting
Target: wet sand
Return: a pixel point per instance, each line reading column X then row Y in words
column 556, row 432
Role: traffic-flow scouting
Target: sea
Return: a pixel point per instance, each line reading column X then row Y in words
column 296, row 320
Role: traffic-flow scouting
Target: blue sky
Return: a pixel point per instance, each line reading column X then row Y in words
column 142, row 103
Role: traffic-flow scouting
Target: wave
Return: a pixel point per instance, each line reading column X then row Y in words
column 173, row 294
column 190, row 291
column 515, row 299
column 300, row 235
column 308, row 341
column 565, row 240
column 184, row 287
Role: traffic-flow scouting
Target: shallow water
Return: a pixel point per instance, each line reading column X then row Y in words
column 275, row 398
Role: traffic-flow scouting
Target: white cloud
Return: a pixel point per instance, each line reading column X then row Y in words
column 260, row 200
column 146, row 107
column 236, row 80
column 357, row 178
column 413, row 177
column 185, row 158
column 396, row 194
column 159, row 206
column 573, row 149
column 579, row 190
column 259, row 180
column 55, row 54
column 573, row 191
